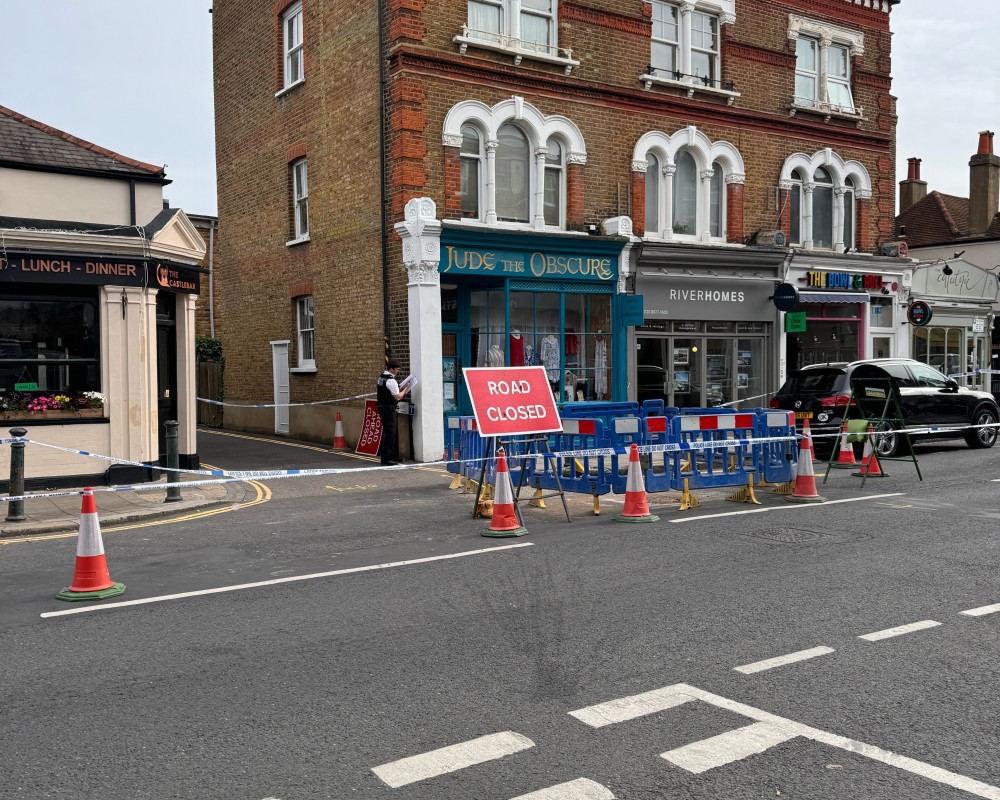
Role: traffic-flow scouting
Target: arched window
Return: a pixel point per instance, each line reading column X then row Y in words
column 849, row 242
column 471, row 164
column 685, row 195
column 652, row 194
column 716, row 203
column 513, row 172
column 822, row 208
column 554, row 183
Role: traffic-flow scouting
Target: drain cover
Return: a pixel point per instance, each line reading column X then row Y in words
column 787, row 535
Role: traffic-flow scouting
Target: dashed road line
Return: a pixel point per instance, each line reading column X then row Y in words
column 786, row 507
column 580, row 789
column 452, row 758
column 900, row 630
column 727, row 747
column 981, row 611
column 780, row 661
column 626, row 708
column 277, row 581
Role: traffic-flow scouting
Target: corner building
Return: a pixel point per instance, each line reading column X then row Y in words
column 611, row 190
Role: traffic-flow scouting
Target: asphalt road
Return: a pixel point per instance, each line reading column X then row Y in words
column 703, row 656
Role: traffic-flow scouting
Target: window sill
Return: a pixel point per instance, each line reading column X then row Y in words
column 303, row 370
column 514, row 47
column 692, row 240
column 300, row 240
column 511, row 226
column 289, row 88
column 691, row 89
column 828, row 112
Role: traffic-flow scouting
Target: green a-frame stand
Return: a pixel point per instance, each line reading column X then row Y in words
column 875, row 393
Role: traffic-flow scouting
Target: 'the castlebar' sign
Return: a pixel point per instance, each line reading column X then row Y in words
column 526, row 264
column 97, row 270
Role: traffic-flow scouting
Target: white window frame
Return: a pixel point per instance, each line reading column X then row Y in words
column 659, row 13
column 712, row 54
column 844, row 82
column 684, row 13
column 302, row 333
column 293, row 52
column 509, row 36
column 826, row 37
column 561, row 169
column 300, row 200
column 480, row 173
column 845, row 196
column 811, row 74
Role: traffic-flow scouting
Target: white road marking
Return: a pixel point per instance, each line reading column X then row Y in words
column 277, row 581
column 982, row 610
column 780, row 661
column 728, row 747
column 888, row 633
column 936, row 774
column 580, row 789
column 786, row 507
column 452, row 758
column 627, row 708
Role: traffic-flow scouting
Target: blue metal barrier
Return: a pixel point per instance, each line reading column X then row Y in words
column 776, row 460
column 453, row 444
column 713, row 466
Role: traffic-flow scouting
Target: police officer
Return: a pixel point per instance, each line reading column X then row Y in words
column 387, row 395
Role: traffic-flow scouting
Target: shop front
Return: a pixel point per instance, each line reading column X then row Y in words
column 95, row 352
column 709, row 327
column 846, row 313
column 956, row 339
column 517, row 299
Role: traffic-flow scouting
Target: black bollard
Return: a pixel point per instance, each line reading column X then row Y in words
column 15, row 508
column 173, row 492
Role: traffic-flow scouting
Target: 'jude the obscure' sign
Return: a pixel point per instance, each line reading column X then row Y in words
column 511, row 401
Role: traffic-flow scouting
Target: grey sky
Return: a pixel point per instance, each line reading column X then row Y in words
column 135, row 76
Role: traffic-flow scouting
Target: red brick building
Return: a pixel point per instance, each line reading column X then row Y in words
column 499, row 181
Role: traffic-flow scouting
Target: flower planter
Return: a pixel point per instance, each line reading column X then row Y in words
column 27, row 416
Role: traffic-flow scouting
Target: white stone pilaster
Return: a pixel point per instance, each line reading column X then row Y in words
column 421, row 235
column 491, row 181
column 187, row 376
column 838, row 219
column 807, row 215
column 668, row 201
column 539, row 217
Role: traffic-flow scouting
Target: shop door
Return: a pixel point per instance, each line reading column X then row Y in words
column 456, row 400
column 166, row 367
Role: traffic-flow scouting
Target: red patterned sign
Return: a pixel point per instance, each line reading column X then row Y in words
column 371, row 430
column 511, row 401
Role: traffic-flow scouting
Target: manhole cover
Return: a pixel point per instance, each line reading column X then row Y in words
column 787, row 535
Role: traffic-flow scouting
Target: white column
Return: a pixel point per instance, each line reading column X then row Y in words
column 706, row 204
column 686, row 9
column 807, row 215
column 187, row 376
column 421, row 235
column 491, row 181
column 838, row 219
column 668, row 200
column 539, row 218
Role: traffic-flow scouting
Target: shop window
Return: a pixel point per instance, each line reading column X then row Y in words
column 822, row 200
column 305, row 322
column 293, row 51
column 48, row 344
column 300, row 201
column 880, row 312
column 471, row 166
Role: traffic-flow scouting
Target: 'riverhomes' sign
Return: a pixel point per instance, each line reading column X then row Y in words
column 100, row 271
column 525, row 264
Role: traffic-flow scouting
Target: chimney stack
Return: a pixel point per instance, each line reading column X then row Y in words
column 912, row 190
column 984, row 186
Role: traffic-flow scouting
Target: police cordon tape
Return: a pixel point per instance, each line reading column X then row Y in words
column 282, row 405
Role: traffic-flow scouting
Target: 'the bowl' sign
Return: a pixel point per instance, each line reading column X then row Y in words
column 511, row 401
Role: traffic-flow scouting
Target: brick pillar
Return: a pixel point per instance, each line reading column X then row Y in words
column 785, row 204
column 452, row 182
column 639, row 202
column 863, row 225
column 574, row 197
column 734, row 213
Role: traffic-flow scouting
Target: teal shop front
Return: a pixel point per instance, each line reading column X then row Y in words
column 526, row 299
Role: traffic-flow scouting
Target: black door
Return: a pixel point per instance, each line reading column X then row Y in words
column 166, row 366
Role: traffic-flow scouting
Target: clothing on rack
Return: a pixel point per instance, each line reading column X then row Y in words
column 572, row 342
column 516, row 350
column 494, row 358
column 548, row 354
column 601, row 367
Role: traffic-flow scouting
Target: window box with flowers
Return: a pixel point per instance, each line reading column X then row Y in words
column 30, row 407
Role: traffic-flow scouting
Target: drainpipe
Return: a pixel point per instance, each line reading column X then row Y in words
column 211, row 281
column 382, row 172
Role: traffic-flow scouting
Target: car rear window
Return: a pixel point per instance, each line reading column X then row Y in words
column 813, row 381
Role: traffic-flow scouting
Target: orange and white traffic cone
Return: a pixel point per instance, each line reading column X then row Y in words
column 869, row 459
column 91, row 580
column 807, row 432
column 339, row 442
column 504, row 521
column 845, row 458
column 805, row 477
column 636, row 507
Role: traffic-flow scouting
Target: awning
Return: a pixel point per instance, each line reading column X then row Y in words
column 832, row 297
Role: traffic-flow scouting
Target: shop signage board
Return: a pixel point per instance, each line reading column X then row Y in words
column 631, row 311
column 785, row 297
column 581, row 266
column 98, row 271
column 717, row 299
column 371, row 430
column 843, row 280
column 512, row 401
column 918, row 313
column 979, row 325
column 795, row 322
column 25, row 387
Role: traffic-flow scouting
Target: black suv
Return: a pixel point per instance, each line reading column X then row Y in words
column 821, row 393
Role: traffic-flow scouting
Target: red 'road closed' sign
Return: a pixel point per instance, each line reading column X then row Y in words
column 511, row 401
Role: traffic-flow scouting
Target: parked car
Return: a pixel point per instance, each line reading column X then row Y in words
column 821, row 393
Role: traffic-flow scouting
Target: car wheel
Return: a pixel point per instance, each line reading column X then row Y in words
column 886, row 440
column 982, row 437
